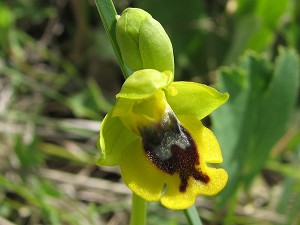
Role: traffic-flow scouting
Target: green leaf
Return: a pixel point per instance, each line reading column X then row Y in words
column 255, row 25
column 263, row 97
column 88, row 101
column 144, row 83
column 28, row 153
column 270, row 11
column 189, row 98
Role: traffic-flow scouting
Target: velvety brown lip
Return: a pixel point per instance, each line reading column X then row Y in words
column 172, row 149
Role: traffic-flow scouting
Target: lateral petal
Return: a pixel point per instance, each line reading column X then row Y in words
column 109, row 143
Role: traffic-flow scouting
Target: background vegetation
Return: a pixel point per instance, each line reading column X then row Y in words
column 59, row 76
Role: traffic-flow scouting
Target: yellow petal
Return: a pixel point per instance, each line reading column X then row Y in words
column 209, row 152
column 139, row 174
column 208, row 146
column 173, row 198
column 212, row 150
column 218, row 180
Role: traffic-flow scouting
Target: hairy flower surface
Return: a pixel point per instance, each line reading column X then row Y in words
column 155, row 135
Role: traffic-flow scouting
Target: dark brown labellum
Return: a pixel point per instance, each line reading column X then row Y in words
column 172, row 149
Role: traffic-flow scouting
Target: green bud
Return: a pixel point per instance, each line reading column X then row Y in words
column 143, row 42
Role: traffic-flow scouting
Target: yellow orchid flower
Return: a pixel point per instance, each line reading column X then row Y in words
column 155, row 135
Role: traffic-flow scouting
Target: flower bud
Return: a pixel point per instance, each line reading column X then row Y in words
column 143, row 42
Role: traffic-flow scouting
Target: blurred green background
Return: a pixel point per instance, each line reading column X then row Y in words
column 58, row 79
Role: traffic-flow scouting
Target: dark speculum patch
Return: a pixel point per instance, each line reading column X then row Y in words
column 171, row 148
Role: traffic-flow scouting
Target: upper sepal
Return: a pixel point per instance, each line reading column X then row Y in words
column 144, row 83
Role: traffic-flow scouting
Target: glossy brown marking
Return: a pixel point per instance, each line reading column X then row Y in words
column 171, row 148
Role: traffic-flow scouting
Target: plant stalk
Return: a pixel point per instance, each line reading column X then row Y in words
column 138, row 211
column 192, row 215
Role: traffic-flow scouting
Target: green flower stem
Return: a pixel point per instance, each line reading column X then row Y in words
column 138, row 211
column 108, row 16
column 192, row 216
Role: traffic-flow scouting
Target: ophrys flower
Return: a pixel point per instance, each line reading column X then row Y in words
column 155, row 134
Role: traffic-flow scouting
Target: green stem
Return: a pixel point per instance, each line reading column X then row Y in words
column 192, row 216
column 138, row 211
column 108, row 16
